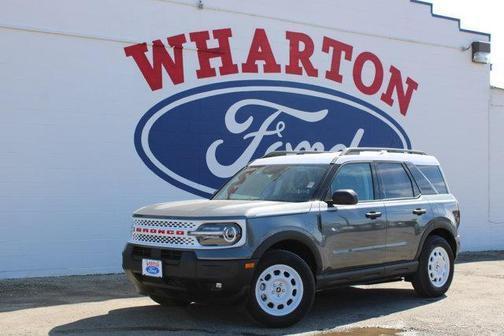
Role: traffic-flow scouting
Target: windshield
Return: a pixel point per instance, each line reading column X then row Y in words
column 285, row 183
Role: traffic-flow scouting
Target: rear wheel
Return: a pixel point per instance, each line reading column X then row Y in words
column 435, row 270
column 170, row 302
column 282, row 290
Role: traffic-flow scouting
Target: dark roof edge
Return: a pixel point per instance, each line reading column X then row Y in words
column 488, row 35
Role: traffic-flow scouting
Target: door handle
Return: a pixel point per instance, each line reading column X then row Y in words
column 419, row 211
column 373, row 214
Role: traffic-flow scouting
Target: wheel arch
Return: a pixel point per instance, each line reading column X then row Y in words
column 296, row 242
column 442, row 228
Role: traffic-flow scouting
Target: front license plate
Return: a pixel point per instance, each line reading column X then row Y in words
column 152, row 268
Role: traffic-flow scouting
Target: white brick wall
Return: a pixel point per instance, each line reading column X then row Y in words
column 71, row 100
column 496, row 123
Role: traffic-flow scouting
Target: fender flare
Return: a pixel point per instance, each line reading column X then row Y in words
column 294, row 235
column 435, row 224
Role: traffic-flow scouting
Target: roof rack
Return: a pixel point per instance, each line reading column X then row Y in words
column 285, row 153
column 357, row 150
column 346, row 151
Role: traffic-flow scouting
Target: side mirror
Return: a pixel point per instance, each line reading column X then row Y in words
column 345, row 197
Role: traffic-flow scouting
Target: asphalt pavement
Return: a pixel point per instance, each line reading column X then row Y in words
column 108, row 305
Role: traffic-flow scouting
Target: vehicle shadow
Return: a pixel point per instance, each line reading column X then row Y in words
column 332, row 309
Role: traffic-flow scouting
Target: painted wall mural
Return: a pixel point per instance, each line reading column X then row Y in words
column 198, row 138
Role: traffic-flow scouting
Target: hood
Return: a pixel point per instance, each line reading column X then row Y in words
column 223, row 208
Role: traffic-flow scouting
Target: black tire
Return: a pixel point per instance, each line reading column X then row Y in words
column 421, row 281
column 281, row 257
column 170, row 302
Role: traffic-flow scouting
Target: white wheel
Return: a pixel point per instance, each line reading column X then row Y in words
column 438, row 267
column 282, row 290
column 435, row 268
column 279, row 290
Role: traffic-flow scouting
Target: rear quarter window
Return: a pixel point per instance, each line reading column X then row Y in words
column 434, row 175
column 423, row 182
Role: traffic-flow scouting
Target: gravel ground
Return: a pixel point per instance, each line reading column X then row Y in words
column 107, row 304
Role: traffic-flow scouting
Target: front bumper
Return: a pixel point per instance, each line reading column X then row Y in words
column 185, row 276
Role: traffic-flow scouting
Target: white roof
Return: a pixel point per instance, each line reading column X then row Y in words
column 339, row 158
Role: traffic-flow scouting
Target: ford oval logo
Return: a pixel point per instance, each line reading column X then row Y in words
column 199, row 138
column 152, row 270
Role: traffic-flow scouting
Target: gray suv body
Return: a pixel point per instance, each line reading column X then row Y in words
column 290, row 224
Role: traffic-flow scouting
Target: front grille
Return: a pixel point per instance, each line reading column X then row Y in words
column 164, row 240
column 164, row 232
column 173, row 233
column 166, row 223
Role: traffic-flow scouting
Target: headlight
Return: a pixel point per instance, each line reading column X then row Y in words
column 218, row 234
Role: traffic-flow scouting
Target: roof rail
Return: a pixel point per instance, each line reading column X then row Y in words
column 357, row 150
column 285, row 153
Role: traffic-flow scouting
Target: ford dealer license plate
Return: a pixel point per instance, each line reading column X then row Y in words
column 152, row 268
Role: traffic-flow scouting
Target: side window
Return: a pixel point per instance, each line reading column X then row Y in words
column 425, row 185
column 433, row 173
column 356, row 176
column 395, row 182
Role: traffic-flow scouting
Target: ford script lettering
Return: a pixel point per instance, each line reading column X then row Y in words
column 152, row 270
column 201, row 137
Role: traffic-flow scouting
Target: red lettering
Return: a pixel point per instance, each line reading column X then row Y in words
column 179, row 233
column 297, row 56
column 145, row 230
column 223, row 51
column 260, row 50
column 160, row 59
column 368, row 71
column 138, row 229
column 396, row 84
column 378, row 76
column 340, row 50
column 161, row 231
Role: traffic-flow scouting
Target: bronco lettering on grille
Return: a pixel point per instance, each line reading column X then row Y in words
column 160, row 231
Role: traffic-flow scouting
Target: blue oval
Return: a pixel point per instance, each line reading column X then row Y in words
column 198, row 138
column 152, row 270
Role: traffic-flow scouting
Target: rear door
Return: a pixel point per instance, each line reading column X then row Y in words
column 407, row 211
column 354, row 234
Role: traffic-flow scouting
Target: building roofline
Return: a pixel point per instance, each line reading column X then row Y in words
column 488, row 35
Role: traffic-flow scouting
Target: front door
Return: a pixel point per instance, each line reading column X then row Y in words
column 355, row 234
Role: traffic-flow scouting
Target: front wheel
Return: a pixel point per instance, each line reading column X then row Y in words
column 435, row 269
column 282, row 290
